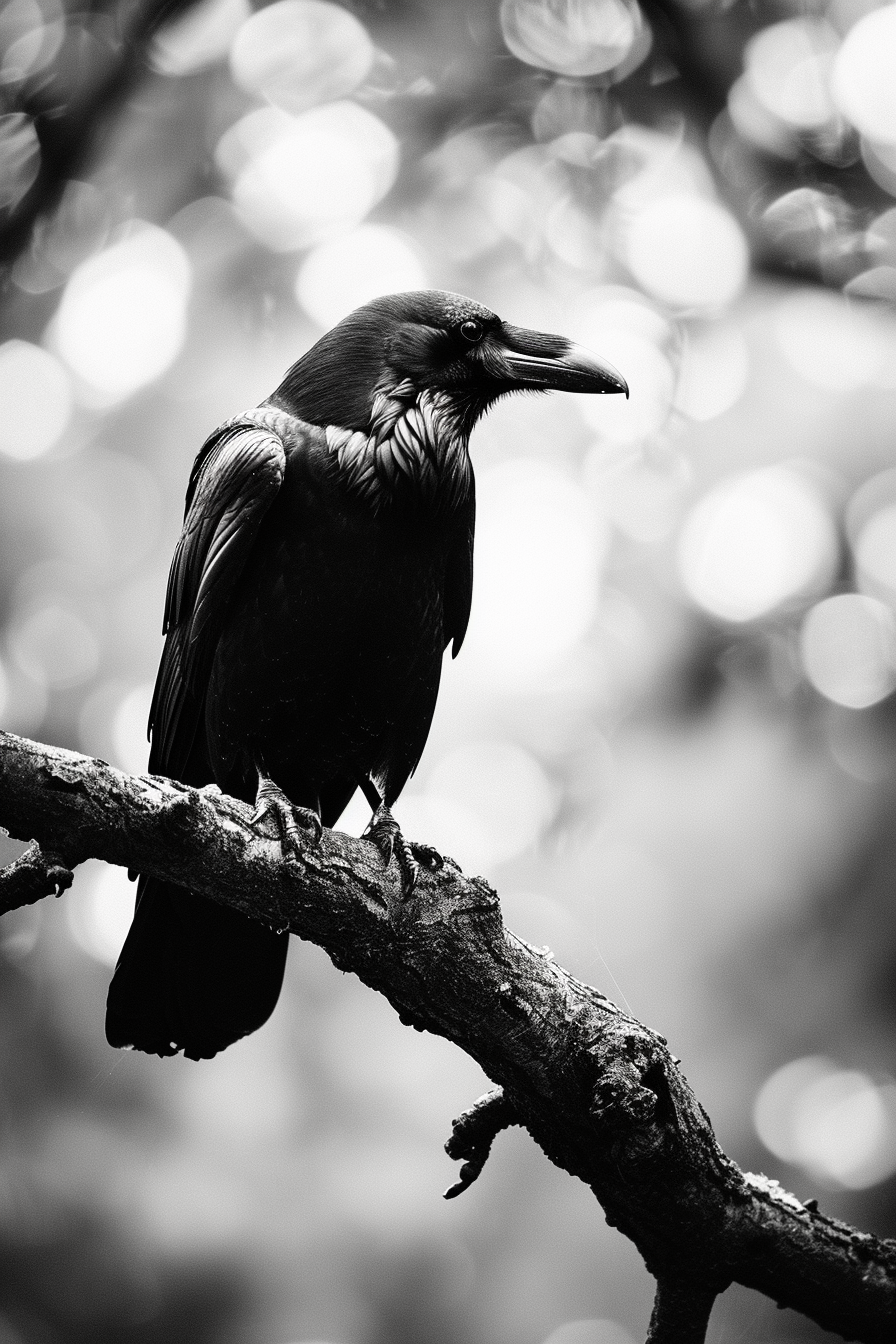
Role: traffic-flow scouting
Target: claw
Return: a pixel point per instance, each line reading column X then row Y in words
column 410, row 868
column 426, row 856
column 289, row 819
column 384, row 832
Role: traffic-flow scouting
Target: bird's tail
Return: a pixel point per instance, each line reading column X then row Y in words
column 193, row 975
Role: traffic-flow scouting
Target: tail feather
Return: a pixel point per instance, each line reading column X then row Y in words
column 193, row 975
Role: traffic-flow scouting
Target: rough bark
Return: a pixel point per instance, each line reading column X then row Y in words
column 598, row 1091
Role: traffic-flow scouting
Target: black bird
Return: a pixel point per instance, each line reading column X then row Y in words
column 325, row 564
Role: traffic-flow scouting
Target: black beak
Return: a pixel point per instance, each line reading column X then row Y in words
column 536, row 360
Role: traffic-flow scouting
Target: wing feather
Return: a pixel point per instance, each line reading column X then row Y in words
column 234, row 481
column 458, row 596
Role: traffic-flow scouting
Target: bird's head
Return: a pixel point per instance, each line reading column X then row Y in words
column 397, row 347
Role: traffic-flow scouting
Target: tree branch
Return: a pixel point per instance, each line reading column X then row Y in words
column 597, row 1090
column 681, row 1311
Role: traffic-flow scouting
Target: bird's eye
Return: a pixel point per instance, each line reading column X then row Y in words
column 471, row 331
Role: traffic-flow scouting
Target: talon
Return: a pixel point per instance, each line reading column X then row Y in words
column 288, row 818
column 384, row 832
column 410, row 868
column 426, row 856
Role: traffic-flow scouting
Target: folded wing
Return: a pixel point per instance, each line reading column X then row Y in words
column 234, row 481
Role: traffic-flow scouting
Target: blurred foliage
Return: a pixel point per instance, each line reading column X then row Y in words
column 670, row 737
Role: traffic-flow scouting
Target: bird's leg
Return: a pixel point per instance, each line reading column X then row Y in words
column 384, row 832
column 271, row 801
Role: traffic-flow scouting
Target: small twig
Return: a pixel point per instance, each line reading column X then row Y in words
column 32, row 876
column 681, row 1311
column 473, row 1134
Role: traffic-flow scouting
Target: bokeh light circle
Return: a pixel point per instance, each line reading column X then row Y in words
column 832, row 343
column 129, row 735
column 296, row 53
column 199, row 38
column 571, row 37
column 54, row 646
column 31, row 34
column 713, row 373
column 838, row 1124
column 339, row 275
column 622, row 326
column 35, row 400
column 788, row 69
column 99, row 911
column 754, row 541
column 490, row 800
column 880, row 161
column 651, row 384
column 687, row 251
column 123, row 315
column 848, row 649
column 590, row 1331
column 875, row 549
column 539, row 547
column 864, row 80
column 304, row 179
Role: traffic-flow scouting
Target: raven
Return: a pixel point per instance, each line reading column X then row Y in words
column 325, row 564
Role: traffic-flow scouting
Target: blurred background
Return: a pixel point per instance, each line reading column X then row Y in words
column 670, row 740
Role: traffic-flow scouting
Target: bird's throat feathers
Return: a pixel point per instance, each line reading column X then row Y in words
column 415, row 451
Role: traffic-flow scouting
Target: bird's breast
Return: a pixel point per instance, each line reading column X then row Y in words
column 336, row 632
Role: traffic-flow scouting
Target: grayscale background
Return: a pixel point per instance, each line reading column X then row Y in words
column 670, row 741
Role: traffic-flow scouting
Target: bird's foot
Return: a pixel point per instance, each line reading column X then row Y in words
column 384, row 832
column 426, row 856
column 290, row 820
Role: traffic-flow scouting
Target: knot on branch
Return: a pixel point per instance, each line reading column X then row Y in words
column 181, row 809
column 61, row 779
column 473, row 1134
column 477, row 896
column 620, row 1097
column 32, row 876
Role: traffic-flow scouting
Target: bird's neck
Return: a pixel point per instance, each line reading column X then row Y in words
column 414, row 453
